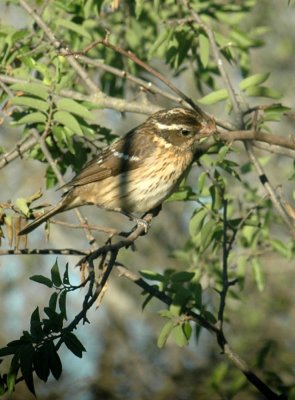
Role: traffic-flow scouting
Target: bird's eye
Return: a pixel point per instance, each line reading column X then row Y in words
column 186, row 132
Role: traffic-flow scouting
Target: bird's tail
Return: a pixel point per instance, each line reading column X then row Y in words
column 38, row 221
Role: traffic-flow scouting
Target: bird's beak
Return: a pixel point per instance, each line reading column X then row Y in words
column 208, row 128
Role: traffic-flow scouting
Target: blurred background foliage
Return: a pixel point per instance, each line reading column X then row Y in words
column 122, row 359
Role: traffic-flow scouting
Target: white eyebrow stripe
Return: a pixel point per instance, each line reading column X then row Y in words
column 173, row 127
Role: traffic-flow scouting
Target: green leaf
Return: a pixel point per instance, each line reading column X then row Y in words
column 72, row 26
column 42, row 279
column 74, row 344
column 282, row 248
column 179, row 335
column 165, row 313
column 209, row 317
column 68, row 120
column 66, row 280
column 151, row 275
column 197, row 221
column 53, row 301
column 162, row 37
column 275, row 112
column 263, row 91
column 74, row 107
column 254, row 80
column 187, row 329
column 32, row 88
column 62, row 302
column 243, row 40
column 197, row 291
column 55, row 364
column 204, row 49
column 258, row 275
column 36, row 325
column 183, row 193
column 55, row 275
column 32, row 118
column 201, row 181
column 182, row 276
column 30, row 102
column 138, row 7
column 164, row 334
column 217, row 200
column 214, row 97
column 223, row 151
column 207, row 233
column 8, row 350
column 41, row 362
column 26, row 356
column 12, row 375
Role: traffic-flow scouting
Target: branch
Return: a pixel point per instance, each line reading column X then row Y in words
column 147, row 85
column 148, row 68
column 18, row 150
column 64, row 252
column 139, row 230
column 218, row 58
column 237, row 107
column 270, row 190
column 52, row 163
column 57, row 44
column 102, row 99
column 232, row 356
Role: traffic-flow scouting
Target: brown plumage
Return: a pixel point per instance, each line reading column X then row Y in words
column 140, row 170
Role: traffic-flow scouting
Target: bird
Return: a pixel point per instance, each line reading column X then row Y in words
column 137, row 172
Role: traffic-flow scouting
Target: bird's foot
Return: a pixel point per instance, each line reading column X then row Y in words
column 140, row 222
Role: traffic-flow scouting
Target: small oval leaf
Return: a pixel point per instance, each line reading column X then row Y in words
column 68, row 120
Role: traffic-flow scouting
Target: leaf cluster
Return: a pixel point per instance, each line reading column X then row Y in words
column 36, row 351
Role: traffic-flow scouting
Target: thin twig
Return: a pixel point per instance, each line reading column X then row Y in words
column 104, row 229
column 104, row 101
column 18, row 150
column 58, row 46
column 52, row 163
column 232, row 356
column 64, row 252
column 217, row 55
column 274, row 149
column 148, row 68
column 153, row 291
column 124, row 243
column 237, row 107
column 148, row 86
column 270, row 189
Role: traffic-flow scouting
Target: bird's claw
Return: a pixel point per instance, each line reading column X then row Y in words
column 143, row 223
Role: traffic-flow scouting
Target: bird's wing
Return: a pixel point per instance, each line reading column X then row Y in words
column 123, row 155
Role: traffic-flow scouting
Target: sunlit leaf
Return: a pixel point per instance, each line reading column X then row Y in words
column 262, row 91
column 73, row 27
column 214, row 97
column 68, row 120
column 204, row 49
column 30, row 102
column 32, row 118
column 253, row 80
column 36, row 89
column 164, row 334
column 74, row 107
